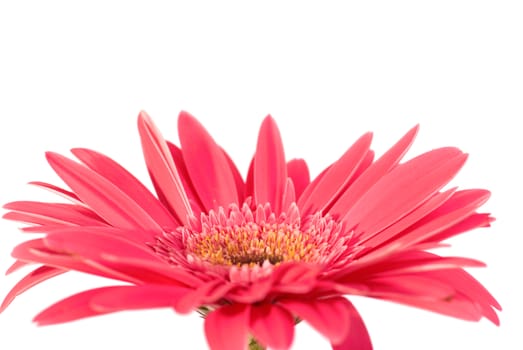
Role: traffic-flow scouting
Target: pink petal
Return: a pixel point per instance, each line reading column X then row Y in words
column 358, row 337
column 337, row 177
column 127, row 183
column 206, row 163
column 329, row 316
column 35, row 251
column 102, row 196
column 313, row 184
column 439, row 220
column 373, row 174
column 238, row 179
column 60, row 191
column 148, row 271
column 456, row 306
column 459, row 200
column 106, row 300
column 405, row 262
column 162, row 169
column 364, row 165
column 208, row 293
column 249, row 180
column 97, row 244
column 252, row 292
column 35, row 219
column 67, row 213
column 473, row 221
column 412, row 285
column 72, row 308
column 371, row 238
column 35, row 277
column 388, row 200
column 16, row 266
column 107, row 257
column 298, row 171
column 270, row 169
column 295, row 277
column 227, row 327
column 188, row 186
column 470, row 301
column 272, row 326
column 289, row 195
column 45, row 228
column 137, row 297
column 466, row 284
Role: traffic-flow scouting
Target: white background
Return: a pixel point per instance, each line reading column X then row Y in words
column 77, row 75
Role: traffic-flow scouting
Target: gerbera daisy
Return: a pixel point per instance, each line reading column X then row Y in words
column 256, row 256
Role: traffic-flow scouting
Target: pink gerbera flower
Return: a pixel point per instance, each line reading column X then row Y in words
column 256, row 256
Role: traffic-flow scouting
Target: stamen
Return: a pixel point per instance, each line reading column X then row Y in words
column 256, row 238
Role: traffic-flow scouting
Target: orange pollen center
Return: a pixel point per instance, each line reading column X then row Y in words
column 252, row 244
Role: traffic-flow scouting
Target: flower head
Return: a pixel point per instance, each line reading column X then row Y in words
column 256, row 256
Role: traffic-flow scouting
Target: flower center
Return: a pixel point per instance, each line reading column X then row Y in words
column 255, row 239
column 252, row 244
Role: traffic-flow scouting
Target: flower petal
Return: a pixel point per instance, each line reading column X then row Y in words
column 358, row 337
column 371, row 238
column 68, row 213
column 102, row 196
column 298, row 171
column 337, row 177
column 238, row 179
column 206, row 163
column 373, row 174
column 364, row 165
column 69, row 309
column 272, row 326
column 98, row 244
column 35, row 219
column 330, row 316
column 439, row 220
column 470, row 223
column 289, row 195
column 162, row 169
column 388, row 200
column 99, row 301
column 295, row 277
column 137, row 297
column 35, row 277
column 127, row 183
column 270, row 169
column 188, row 186
column 71, row 196
column 16, row 266
column 227, row 327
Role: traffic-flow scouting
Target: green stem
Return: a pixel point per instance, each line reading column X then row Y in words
column 254, row 345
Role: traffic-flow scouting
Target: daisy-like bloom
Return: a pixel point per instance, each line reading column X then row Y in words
column 256, row 256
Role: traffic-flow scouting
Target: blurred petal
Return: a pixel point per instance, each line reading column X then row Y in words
column 358, row 337
column 35, row 277
column 227, row 327
column 272, row 326
column 330, row 317
column 106, row 300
